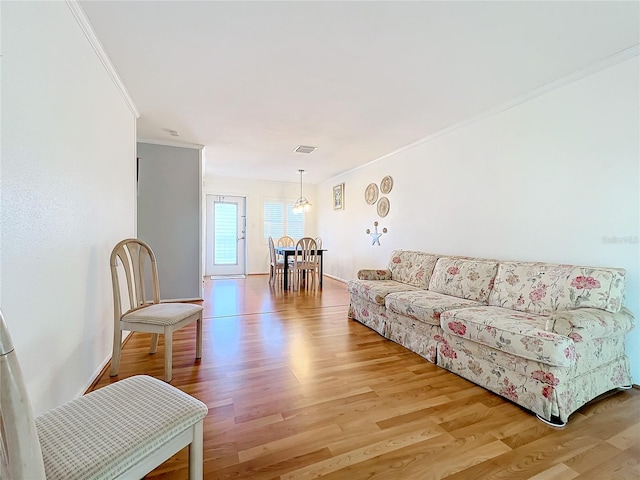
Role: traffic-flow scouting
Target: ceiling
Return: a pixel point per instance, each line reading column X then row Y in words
column 252, row 80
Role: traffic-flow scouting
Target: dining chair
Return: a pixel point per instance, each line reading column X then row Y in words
column 306, row 264
column 276, row 265
column 319, row 242
column 121, row 431
column 286, row 241
column 133, row 268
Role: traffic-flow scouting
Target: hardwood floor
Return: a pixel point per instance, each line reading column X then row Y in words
column 296, row 390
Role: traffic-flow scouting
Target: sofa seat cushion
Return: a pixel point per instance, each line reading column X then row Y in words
column 470, row 279
column 545, row 288
column 518, row 333
column 424, row 305
column 588, row 357
column 376, row 290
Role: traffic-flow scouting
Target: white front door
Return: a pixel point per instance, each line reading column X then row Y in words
column 226, row 232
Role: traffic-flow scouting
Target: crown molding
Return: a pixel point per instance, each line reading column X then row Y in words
column 603, row 64
column 87, row 29
column 169, row 143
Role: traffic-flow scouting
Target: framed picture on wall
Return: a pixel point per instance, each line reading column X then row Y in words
column 338, row 197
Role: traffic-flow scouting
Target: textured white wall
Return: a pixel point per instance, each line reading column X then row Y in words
column 256, row 192
column 68, row 195
column 554, row 179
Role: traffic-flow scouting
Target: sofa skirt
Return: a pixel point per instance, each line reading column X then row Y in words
column 368, row 313
column 419, row 337
column 544, row 389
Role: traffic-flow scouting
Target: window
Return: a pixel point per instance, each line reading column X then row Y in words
column 226, row 233
column 279, row 220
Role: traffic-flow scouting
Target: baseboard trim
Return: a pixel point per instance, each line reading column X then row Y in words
column 104, row 367
column 341, row 280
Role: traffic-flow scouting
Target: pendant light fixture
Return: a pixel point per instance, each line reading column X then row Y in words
column 302, row 204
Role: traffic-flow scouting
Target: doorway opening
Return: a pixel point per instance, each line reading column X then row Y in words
column 226, row 236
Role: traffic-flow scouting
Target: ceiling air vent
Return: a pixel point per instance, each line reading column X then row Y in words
column 304, row 149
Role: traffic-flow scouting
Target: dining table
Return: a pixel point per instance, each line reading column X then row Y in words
column 287, row 252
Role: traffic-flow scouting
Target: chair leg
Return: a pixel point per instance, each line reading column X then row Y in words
column 195, row 453
column 168, row 355
column 117, row 349
column 199, row 336
column 154, row 343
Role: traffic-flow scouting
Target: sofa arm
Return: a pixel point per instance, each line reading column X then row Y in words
column 588, row 323
column 370, row 274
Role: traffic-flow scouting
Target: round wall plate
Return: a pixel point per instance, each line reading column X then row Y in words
column 383, row 206
column 371, row 193
column 386, row 184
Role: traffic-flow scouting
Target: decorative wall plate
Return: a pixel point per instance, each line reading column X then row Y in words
column 386, row 184
column 383, row 206
column 371, row 193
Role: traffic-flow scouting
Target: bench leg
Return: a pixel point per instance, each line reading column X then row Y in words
column 195, row 453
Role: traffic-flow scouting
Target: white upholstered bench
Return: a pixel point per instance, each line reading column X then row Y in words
column 121, row 431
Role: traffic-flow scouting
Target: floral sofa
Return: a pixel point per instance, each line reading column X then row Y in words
column 548, row 337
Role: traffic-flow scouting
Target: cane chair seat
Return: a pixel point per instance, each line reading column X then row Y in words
column 162, row 313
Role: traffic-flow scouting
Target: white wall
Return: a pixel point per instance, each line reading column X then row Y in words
column 553, row 179
column 68, row 196
column 256, row 192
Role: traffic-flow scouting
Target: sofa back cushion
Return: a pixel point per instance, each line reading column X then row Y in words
column 544, row 288
column 412, row 267
column 471, row 279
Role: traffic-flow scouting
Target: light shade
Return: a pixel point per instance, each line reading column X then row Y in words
column 302, row 204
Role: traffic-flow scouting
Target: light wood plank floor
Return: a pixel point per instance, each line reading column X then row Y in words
column 297, row 391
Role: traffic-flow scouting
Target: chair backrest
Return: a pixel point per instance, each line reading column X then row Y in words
column 20, row 453
column 306, row 253
column 319, row 242
column 286, row 242
column 272, row 252
column 130, row 260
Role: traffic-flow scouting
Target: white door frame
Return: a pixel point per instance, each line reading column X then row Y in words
column 239, row 268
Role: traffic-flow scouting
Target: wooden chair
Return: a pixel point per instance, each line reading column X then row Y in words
column 276, row 265
column 141, row 314
column 121, row 431
column 319, row 242
column 306, row 265
column 286, row 241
